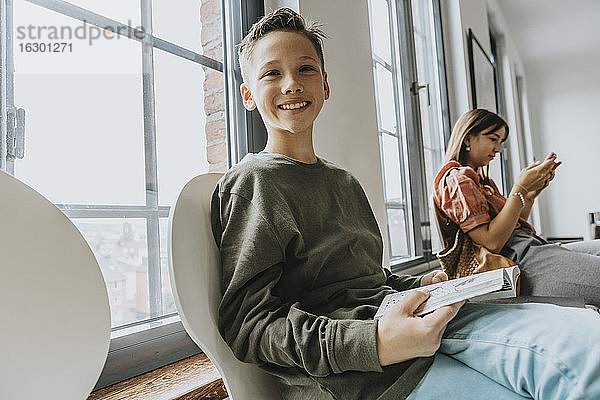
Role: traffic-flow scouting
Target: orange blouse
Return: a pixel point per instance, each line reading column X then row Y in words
column 462, row 199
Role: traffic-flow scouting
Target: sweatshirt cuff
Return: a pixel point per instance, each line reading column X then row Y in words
column 352, row 346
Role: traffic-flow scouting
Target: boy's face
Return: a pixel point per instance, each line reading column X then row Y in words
column 285, row 82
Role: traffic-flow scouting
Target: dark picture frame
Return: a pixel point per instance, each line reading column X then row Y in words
column 483, row 76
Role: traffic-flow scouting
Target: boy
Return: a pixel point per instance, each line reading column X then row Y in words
column 302, row 279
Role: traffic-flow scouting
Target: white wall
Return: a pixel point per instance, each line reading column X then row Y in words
column 560, row 45
column 346, row 129
column 565, row 105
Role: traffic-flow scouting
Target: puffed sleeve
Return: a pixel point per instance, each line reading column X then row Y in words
column 463, row 199
column 254, row 321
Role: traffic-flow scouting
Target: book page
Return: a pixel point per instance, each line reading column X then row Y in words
column 452, row 291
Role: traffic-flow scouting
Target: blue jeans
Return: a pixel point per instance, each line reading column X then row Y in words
column 516, row 351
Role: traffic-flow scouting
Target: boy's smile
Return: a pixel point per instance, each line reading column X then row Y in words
column 294, row 106
column 286, row 83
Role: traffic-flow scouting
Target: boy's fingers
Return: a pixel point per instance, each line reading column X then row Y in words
column 443, row 315
column 413, row 300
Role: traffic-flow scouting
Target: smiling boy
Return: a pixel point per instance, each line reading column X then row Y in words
column 284, row 78
column 301, row 253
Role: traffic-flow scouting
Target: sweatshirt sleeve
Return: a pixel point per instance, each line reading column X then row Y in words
column 254, row 321
column 401, row 282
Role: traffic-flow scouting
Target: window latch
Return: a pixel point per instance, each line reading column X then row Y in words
column 15, row 135
column 415, row 88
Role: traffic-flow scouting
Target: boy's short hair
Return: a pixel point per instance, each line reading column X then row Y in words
column 282, row 19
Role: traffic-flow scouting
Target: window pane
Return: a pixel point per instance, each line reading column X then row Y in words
column 181, row 24
column 385, row 99
column 84, row 133
column 168, row 302
column 431, row 169
column 380, row 30
column 392, row 172
column 430, row 108
column 180, row 123
column 121, row 249
column 123, row 11
column 397, row 229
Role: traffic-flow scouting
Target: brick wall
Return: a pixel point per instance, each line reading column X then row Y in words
column 214, row 86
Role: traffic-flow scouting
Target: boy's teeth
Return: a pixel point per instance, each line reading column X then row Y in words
column 294, row 106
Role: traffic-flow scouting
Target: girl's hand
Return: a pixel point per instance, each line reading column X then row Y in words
column 535, row 193
column 537, row 177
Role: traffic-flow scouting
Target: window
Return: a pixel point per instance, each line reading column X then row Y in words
column 413, row 120
column 115, row 126
column 110, row 108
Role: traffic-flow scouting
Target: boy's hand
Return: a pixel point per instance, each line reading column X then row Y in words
column 402, row 336
column 433, row 277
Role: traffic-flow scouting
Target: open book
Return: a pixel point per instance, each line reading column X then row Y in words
column 490, row 285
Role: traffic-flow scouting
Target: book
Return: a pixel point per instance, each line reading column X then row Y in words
column 491, row 285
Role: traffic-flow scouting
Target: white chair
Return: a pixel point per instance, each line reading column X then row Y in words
column 195, row 272
column 54, row 307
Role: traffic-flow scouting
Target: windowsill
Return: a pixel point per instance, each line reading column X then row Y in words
column 135, row 354
column 120, row 332
column 191, row 378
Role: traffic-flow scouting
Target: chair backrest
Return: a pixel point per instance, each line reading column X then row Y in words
column 195, row 272
column 55, row 329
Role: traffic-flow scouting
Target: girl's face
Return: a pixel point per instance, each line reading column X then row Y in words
column 484, row 147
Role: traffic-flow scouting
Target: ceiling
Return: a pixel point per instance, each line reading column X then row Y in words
column 549, row 31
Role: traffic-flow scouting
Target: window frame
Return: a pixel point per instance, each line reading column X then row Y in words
column 404, row 203
column 412, row 159
column 161, row 339
column 246, row 127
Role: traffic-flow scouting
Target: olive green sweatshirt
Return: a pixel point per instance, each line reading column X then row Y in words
column 302, row 279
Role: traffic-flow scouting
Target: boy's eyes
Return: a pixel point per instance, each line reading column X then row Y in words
column 307, row 68
column 304, row 68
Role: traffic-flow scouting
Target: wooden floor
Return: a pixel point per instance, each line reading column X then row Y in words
column 193, row 378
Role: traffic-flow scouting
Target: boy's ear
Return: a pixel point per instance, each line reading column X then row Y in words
column 247, row 98
column 326, row 86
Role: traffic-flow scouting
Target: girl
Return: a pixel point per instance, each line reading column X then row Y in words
column 466, row 198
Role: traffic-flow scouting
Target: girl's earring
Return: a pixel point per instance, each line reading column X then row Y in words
column 468, row 148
